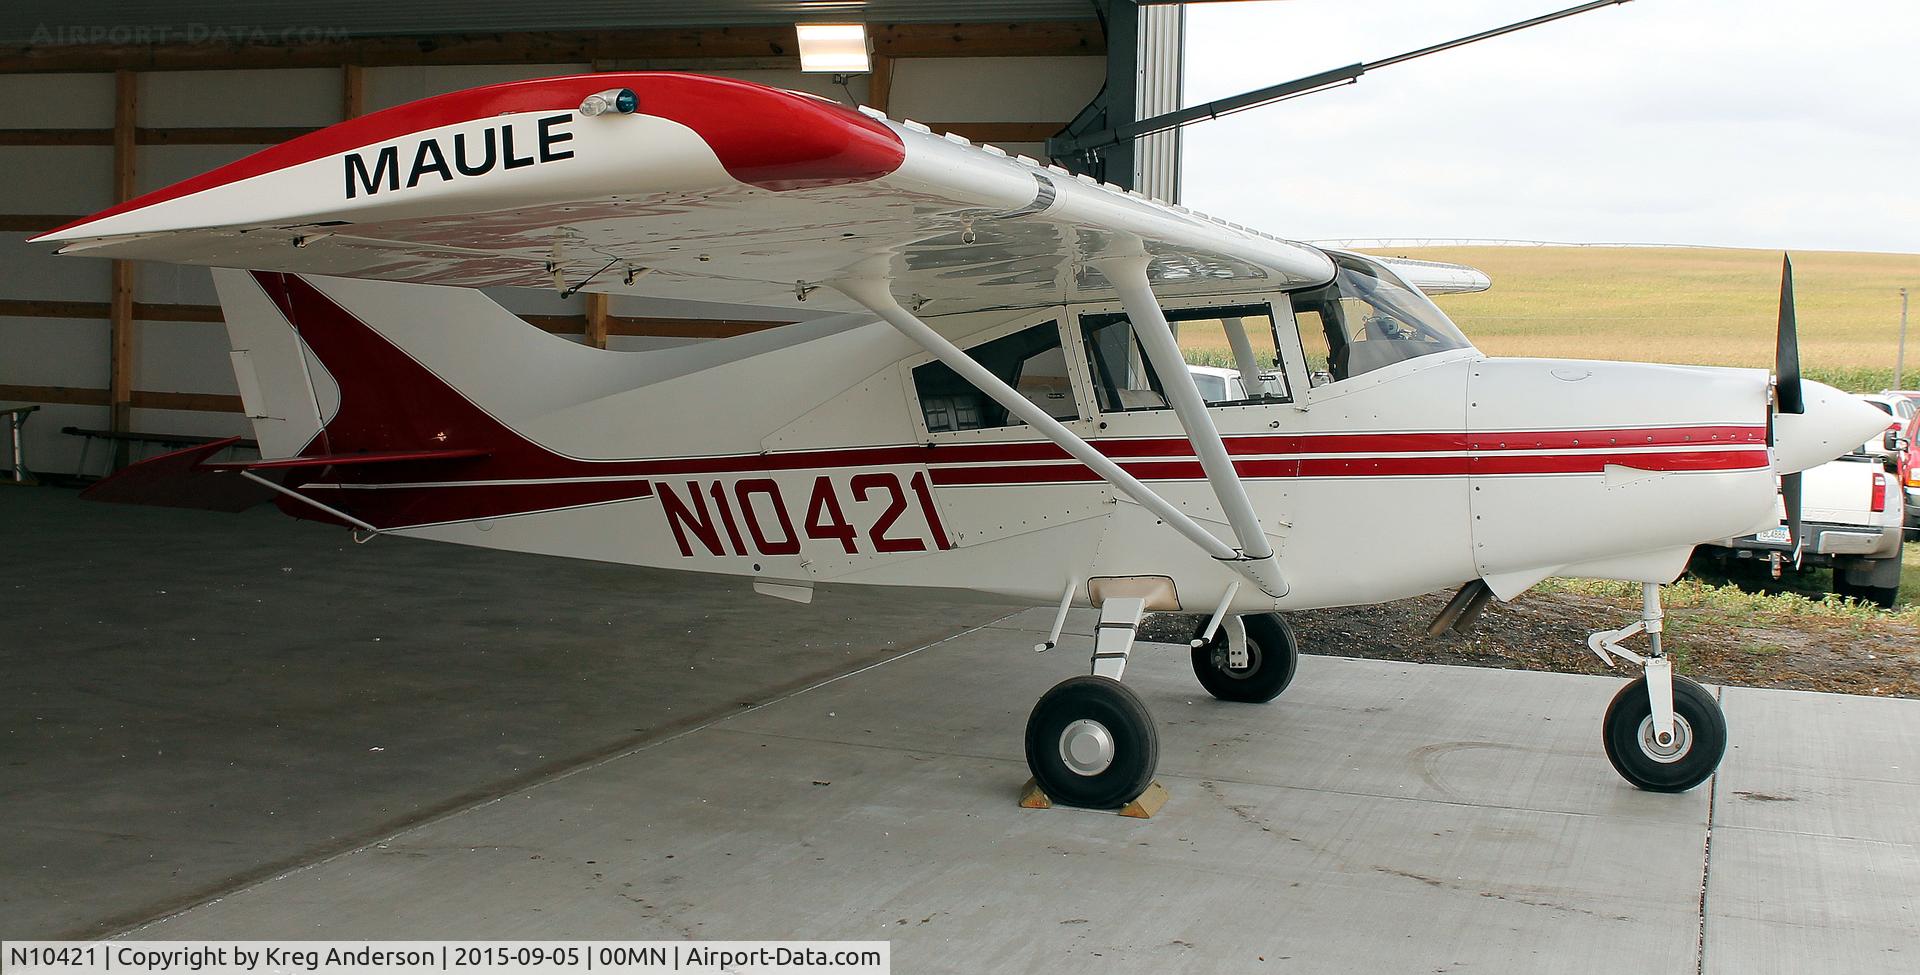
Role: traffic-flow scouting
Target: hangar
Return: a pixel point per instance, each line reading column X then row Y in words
column 238, row 726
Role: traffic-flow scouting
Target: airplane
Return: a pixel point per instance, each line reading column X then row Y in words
column 985, row 391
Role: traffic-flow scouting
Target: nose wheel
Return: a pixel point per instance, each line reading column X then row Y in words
column 1662, row 733
column 1687, row 755
column 1253, row 673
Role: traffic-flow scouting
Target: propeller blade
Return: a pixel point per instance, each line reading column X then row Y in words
column 1790, row 498
column 1786, row 356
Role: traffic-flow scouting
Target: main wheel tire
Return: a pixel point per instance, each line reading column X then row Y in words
column 1092, row 743
column 1272, row 657
column 1700, row 737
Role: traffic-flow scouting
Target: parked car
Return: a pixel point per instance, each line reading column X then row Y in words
column 1219, row 385
column 1910, row 477
column 1910, row 395
column 1901, row 411
column 1851, row 522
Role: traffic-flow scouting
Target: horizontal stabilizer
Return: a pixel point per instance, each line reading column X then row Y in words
column 186, row 479
column 181, row 479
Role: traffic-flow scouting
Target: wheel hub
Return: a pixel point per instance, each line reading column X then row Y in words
column 1672, row 751
column 1220, row 661
column 1086, row 746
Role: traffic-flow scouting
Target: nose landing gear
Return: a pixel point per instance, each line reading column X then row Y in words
column 1662, row 733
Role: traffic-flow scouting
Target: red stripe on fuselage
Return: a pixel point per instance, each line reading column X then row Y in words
column 1445, row 466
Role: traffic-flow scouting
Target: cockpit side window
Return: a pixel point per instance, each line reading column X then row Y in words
column 1030, row 360
column 1123, row 379
column 1367, row 318
column 1214, row 341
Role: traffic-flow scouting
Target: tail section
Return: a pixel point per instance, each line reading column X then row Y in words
column 330, row 366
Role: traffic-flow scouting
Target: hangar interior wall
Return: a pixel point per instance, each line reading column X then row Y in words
column 55, row 330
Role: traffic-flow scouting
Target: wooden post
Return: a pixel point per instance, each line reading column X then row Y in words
column 353, row 91
column 596, row 320
column 880, row 83
column 126, row 93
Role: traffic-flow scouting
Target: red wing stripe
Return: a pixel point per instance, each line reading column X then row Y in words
column 775, row 139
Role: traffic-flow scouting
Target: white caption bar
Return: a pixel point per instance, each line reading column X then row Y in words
column 410, row 957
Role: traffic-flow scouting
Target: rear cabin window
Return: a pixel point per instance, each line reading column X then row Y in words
column 1030, row 360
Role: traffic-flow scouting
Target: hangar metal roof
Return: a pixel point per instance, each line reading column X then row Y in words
column 52, row 22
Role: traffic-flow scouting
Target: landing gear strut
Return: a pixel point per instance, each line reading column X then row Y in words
column 1662, row 733
column 1090, row 740
column 1251, row 659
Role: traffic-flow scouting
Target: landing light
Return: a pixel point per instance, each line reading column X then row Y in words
column 839, row 48
column 621, row 100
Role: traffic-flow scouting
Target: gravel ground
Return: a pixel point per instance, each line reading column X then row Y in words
column 1548, row 631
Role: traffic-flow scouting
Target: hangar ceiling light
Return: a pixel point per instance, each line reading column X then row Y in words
column 839, row 48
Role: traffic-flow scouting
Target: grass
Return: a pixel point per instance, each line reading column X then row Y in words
column 1694, row 306
column 1753, row 596
column 1697, row 306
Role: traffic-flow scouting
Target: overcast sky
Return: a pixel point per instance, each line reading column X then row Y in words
column 1756, row 123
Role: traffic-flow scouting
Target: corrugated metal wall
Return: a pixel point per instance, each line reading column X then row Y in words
column 1156, row 158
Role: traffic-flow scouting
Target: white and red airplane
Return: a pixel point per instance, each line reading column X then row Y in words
column 995, row 399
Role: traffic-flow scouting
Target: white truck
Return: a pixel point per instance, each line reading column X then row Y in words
column 1851, row 514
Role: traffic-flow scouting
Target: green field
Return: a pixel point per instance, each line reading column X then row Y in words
column 1686, row 305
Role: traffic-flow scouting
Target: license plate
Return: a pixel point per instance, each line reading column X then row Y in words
column 1776, row 535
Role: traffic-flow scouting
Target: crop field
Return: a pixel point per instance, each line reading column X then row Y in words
column 1694, row 306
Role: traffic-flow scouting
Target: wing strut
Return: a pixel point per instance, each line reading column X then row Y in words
column 1129, row 277
column 877, row 296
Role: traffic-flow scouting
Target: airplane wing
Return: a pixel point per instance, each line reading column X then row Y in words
column 709, row 188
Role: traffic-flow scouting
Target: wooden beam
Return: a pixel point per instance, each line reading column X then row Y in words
column 596, row 334
column 880, row 83
column 220, row 136
column 143, row 311
column 196, row 402
column 353, row 91
column 1036, row 39
column 34, row 223
column 687, row 328
column 237, row 135
column 998, row 132
column 675, row 328
column 1044, row 39
column 121, row 349
column 61, row 395
column 56, row 137
column 142, row 399
column 701, row 328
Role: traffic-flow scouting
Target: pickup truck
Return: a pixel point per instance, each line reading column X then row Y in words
column 1851, row 513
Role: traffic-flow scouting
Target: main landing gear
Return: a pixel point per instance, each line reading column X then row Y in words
column 1662, row 733
column 1091, row 741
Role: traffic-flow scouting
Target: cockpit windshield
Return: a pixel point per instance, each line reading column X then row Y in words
column 1366, row 318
